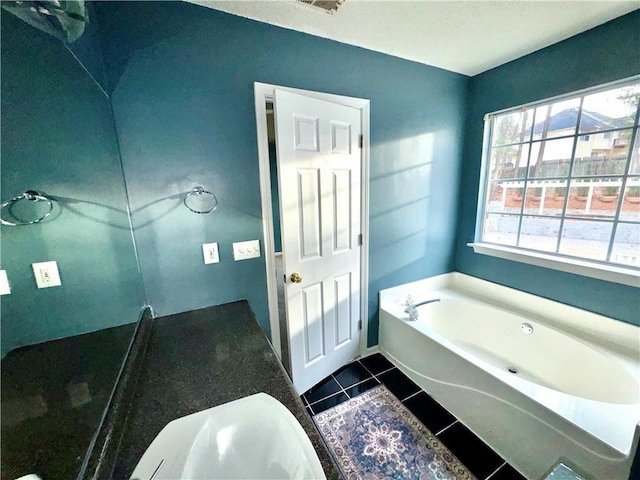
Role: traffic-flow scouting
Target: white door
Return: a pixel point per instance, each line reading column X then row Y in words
column 319, row 163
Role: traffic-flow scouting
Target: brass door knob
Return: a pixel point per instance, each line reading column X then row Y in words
column 296, row 278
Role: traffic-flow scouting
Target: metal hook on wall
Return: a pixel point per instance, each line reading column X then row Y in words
column 200, row 200
column 31, row 195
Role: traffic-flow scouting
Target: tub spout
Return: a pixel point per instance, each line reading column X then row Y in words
column 413, row 306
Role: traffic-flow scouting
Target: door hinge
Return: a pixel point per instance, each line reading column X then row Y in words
column 285, row 278
column 359, row 324
column 360, row 240
column 361, row 141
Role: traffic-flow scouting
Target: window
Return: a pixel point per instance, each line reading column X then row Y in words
column 556, row 184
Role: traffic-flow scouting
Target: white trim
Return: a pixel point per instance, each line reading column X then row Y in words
column 577, row 93
column 371, row 351
column 364, row 226
column 267, row 219
column 610, row 273
column 263, row 92
column 582, row 266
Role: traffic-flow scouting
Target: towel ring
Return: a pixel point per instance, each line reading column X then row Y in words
column 28, row 195
column 200, row 192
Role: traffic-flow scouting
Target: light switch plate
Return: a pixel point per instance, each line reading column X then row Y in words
column 210, row 253
column 46, row 274
column 245, row 250
column 5, row 288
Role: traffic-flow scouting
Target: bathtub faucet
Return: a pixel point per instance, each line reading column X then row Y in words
column 416, row 305
column 412, row 307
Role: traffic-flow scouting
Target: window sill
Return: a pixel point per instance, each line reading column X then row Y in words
column 610, row 273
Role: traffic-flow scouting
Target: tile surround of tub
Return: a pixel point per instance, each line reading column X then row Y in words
column 366, row 373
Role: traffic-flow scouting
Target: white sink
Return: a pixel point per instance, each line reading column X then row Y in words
column 255, row 437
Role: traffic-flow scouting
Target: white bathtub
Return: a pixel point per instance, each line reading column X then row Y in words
column 575, row 396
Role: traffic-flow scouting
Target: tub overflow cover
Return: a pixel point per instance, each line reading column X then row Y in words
column 526, row 328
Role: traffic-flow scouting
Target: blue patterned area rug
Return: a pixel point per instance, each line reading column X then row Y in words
column 374, row 436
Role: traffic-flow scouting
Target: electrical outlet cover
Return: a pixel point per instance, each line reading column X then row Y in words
column 5, row 288
column 46, row 274
column 210, row 253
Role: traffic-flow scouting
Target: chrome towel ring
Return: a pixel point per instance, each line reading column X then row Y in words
column 200, row 200
column 28, row 195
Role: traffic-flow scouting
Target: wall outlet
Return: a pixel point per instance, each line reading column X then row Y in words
column 46, row 274
column 5, row 288
column 245, row 250
column 210, row 252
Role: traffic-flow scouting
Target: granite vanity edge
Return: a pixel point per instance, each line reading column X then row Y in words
column 102, row 456
column 105, row 455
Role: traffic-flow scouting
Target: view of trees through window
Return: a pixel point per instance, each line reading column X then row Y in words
column 563, row 176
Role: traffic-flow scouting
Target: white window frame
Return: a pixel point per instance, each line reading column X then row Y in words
column 605, row 270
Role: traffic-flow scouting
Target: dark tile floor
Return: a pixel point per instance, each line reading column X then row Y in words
column 366, row 373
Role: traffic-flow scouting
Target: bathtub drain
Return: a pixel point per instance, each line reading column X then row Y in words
column 512, row 369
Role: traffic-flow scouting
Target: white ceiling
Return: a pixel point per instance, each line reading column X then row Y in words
column 468, row 37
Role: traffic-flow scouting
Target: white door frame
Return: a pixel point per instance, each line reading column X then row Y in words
column 263, row 92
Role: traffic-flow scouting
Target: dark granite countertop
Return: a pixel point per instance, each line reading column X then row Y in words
column 198, row 360
column 53, row 397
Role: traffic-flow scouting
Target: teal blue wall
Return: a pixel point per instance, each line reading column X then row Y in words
column 182, row 80
column 603, row 54
column 181, row 84
column 58, row 137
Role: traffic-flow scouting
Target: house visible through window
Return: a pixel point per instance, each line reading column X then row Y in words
column 563, row 176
